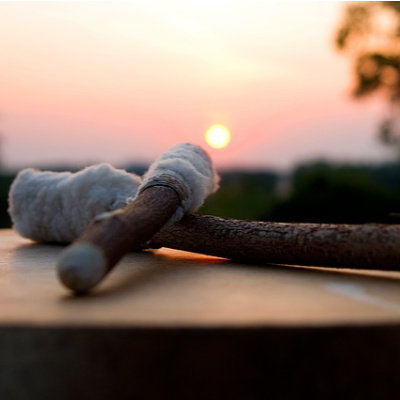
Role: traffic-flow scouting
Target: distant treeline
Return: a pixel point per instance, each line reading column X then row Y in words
column 5, row 183
column 314, row 192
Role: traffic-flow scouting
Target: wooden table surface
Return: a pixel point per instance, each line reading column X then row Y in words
column 201, row 319
column 169, row 288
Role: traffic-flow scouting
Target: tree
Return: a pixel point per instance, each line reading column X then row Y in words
column 370, row 33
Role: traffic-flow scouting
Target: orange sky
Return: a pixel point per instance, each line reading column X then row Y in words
column 84, row 82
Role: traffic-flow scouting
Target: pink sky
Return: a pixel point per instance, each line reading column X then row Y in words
column 84, row 82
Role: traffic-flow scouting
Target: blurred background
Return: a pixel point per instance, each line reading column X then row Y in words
column 297, row 103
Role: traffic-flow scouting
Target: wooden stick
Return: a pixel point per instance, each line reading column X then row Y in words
column 368, row 246
column 85, row 263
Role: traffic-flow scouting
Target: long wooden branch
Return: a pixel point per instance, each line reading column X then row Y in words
column 369, row 246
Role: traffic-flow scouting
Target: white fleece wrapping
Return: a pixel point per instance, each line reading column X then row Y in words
column 57, row 206
column 188, row 169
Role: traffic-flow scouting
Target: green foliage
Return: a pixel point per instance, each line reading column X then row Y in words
column 341, row 194
column 320, row 192
column 5, row 183
column 245, row 195
column 370, row 34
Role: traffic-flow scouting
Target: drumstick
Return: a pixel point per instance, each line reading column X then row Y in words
column 177, row 183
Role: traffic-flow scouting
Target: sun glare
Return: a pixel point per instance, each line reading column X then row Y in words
column 218, row 136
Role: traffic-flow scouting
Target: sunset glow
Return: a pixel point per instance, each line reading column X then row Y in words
column 120, row 82
column 218, row 136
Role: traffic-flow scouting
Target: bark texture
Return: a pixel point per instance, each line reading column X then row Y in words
column 369, row 246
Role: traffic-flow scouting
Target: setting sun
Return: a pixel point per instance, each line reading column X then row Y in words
column 218, row 136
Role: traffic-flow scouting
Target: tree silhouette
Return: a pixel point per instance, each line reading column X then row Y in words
column 370, row 33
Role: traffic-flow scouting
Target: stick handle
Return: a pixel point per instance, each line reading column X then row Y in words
column 368, row 246
column 83, row 264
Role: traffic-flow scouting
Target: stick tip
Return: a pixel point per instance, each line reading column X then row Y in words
column 81, row 266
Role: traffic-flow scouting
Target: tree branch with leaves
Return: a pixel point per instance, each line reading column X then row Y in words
column 370, row 33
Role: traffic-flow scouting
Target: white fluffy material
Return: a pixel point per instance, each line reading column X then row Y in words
column 188, row 169
column 57, row 206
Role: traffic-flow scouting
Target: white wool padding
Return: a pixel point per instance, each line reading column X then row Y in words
column 57, row 206
column 188, row 169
